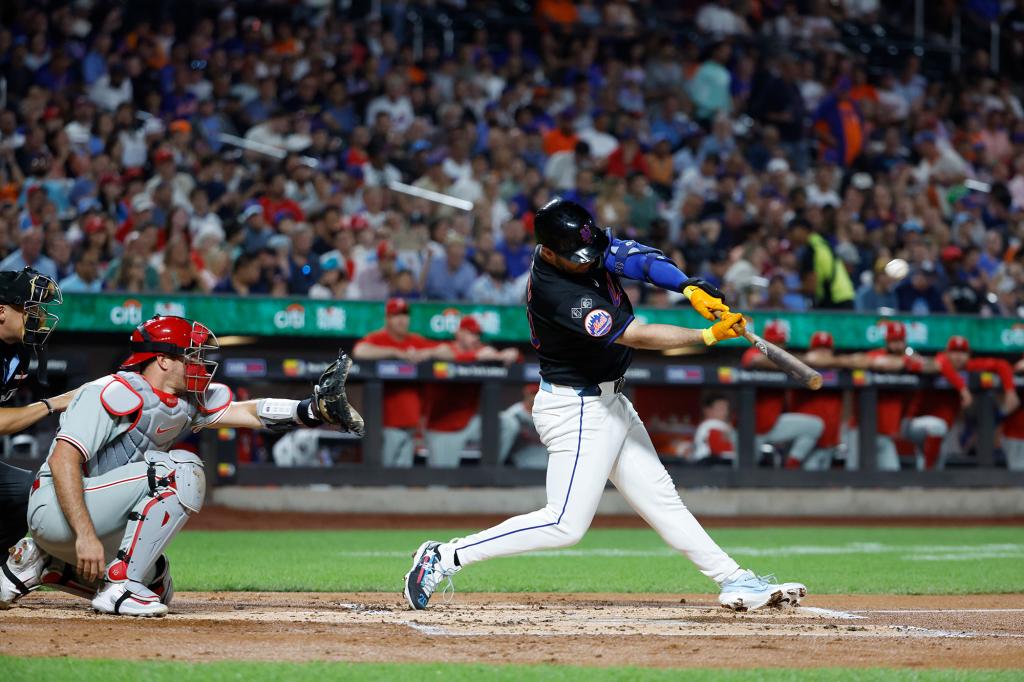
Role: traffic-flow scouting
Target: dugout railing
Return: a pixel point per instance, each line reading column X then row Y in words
column 368, row 380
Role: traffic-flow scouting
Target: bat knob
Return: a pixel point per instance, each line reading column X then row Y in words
column 814, row 382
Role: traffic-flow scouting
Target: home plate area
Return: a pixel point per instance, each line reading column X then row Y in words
column 584, row 629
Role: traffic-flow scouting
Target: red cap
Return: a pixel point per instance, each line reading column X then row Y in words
column 775, row 332
column 93, row 224
column 162, row 155
column 894, row 331
column 180, row 126
column 822, row 340
column 470, row 324
column 385, row 250
column 396, row 306
column 952, row 253
column 958, row 343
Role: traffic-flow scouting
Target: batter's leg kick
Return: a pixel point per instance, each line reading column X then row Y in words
column 591, row 439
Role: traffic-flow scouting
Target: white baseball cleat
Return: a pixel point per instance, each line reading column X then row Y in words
column 21, row 573
column 118, row 599
column 750, row 591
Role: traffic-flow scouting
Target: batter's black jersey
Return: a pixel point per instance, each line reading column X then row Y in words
column 574, row 322
column 14, row 359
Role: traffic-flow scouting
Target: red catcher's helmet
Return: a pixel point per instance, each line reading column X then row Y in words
column 894, row 331
column 775, row 332
column 178, row 337
column 958, row 343
column 822, row 340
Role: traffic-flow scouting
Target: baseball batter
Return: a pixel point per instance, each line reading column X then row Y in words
column 114, row 492
column 583, row 329
column 26, row 320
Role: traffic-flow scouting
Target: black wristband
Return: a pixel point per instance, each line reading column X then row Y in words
column 306, row 413
column 49, row 407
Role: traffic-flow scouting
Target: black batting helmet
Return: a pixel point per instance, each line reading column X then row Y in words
column 569, row 230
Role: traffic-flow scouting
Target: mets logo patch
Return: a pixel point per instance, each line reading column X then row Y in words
column 598, row 322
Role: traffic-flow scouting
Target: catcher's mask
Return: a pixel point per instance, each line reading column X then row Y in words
column 178, row 337
column 39, row 296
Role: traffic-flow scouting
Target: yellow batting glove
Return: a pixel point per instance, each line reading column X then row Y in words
column 705, row 303
column 730, row 326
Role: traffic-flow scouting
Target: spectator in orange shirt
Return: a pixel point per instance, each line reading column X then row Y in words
column 402, row 404
column 452, row 418
column 562, row 138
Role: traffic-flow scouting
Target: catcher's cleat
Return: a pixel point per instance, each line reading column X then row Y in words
column 21, row 573
column 121, row 600
column 750, row 591
column 426, row 574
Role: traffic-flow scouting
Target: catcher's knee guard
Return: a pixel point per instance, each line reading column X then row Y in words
column 178, row 487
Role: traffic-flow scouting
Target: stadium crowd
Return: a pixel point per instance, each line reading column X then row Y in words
column 209, row 147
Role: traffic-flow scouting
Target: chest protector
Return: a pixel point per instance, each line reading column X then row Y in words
column 159, row 420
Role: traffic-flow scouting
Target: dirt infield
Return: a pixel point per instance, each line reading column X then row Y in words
column 226, row 518
column 979, row 631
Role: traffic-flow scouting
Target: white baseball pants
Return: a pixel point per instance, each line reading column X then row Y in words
column 1014, row 450
column 802, row 431
column 591, row 440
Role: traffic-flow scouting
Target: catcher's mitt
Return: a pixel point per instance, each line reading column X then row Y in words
column 329, row 397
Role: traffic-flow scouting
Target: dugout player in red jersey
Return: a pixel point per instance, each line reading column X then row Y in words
column 452, row 419
column 774, row 423
column 825, row 404
column 584, row 331
column 403, row 401
column 948, row 405
column 1013, row 432
column 895, row 416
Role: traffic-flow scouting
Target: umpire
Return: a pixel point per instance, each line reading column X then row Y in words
column 26, row 320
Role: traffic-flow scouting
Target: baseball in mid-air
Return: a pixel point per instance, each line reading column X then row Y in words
column 897, row 268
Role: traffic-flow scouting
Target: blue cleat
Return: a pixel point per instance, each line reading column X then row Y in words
column 750, row 591
column 426, row 574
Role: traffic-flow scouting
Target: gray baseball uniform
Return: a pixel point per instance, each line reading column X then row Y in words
column 124, row 429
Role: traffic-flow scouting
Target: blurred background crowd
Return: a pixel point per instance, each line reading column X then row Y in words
column 785, row 150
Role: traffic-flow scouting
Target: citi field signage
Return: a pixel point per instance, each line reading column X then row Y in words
column 292, row 317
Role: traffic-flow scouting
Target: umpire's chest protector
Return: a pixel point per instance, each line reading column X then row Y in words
column 158, row 419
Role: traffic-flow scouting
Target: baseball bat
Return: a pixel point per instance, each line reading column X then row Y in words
column 787, row 362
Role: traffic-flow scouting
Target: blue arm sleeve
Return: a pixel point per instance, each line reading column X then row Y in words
column 628, row 258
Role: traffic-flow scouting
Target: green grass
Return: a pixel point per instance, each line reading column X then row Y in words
column 52, row 669
column 828, row 560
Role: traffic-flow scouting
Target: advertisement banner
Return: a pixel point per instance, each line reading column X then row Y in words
column 263, row 316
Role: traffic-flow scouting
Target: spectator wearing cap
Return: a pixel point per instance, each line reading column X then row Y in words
column 877, row 293
column 402, row 401
column 333, row 283
column 372, row 280
column 452, row 409
column 180, row 183
column 918, row 294
column 30, row 255
column 451, row 277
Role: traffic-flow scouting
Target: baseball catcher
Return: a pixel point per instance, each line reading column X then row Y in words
column 114, row 491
